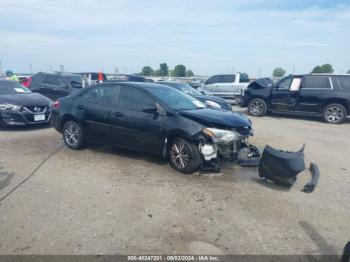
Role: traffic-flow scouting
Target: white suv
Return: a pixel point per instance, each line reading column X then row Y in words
column 228, row 86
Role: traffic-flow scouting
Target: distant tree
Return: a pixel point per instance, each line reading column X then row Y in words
column 180, row 70
column 147, row 71
column 163, row 69
column 348, row 71
column 279, row 72
column 189, row 73
column 156, row 72
column 326, row 68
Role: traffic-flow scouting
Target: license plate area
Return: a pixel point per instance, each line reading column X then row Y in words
column 39, row 118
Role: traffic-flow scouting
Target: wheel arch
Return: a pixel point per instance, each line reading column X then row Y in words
column 260, row 97
column 66, row 118
column 177, row 133
column 340, row 101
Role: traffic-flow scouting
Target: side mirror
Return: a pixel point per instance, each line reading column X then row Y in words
column 150, row 109
column 76, row 84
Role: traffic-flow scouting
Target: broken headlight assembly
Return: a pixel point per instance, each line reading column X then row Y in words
column 9, row 107
column 221, row 135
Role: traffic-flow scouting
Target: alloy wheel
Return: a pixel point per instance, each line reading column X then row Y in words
column 256, row 108
column 334, row 114
column 179, row 155
column 72, row 135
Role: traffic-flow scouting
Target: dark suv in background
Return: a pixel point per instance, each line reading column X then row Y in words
column 327, row 95
column 55, row 85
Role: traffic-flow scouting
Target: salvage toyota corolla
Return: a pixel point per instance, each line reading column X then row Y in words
column 151, row 118
column 19, row 106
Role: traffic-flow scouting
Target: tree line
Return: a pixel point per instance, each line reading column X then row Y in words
column 320, row 69
column 182, row 71
column 163, row 70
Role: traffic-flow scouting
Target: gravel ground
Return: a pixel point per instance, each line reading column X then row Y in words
column 106, row 201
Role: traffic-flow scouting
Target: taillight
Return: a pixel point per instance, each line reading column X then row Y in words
column 56, row 105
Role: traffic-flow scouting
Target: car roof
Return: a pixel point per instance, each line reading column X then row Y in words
column 59, row 74
column 319, row 74
column 140, row 85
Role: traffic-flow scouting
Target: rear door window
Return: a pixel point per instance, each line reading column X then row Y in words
column 228, row 78
column 103, row 95
column 316, row 82
column 343, row 82
column 53, row 80
column 243, row 78
column 134, row 99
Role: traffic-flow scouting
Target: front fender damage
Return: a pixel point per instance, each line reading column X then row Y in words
column 238, row 151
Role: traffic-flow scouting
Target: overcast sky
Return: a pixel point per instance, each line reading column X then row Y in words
column 208, row 36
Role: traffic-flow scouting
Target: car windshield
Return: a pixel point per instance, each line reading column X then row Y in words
column 176, row 99
column 12, row 87
column 186, row 88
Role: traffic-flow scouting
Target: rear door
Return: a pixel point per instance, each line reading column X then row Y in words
column 314, row 89
column 95, row 108
column 134, row 128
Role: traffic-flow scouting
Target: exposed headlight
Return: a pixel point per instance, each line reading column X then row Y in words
column 9, row 107
column 220, row 135
column 212, row 104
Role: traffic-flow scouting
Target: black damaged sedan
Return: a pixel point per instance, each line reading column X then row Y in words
column 20, row 107
column 151, row 118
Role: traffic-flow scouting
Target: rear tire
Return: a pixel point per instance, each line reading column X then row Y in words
column 73, row 135
column 184, row 156
column 334, row 114
column 257, row 107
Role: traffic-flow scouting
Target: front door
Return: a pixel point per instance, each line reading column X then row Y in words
column 136, row 122
column 281, row 95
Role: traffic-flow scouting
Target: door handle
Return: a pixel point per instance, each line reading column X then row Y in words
column 117, row 114
column 80, row 107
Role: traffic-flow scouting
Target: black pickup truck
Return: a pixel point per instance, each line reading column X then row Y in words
column 326, row 95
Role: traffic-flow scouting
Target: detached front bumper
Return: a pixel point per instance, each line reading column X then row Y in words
column 25, row 117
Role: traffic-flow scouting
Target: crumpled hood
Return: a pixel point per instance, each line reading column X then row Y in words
column 213, row 117
column 32, row 99
column 261, row 83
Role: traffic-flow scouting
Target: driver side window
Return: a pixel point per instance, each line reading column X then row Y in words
column 284, row 84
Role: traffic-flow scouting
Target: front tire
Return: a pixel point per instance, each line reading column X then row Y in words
column 257, row 107
column 334, row 113
column 184, row 156
column 73, row 135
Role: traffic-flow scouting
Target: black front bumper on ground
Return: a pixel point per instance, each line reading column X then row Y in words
column 24, row 116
